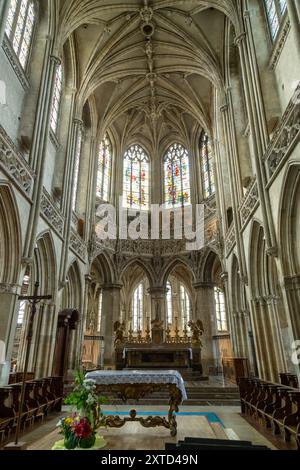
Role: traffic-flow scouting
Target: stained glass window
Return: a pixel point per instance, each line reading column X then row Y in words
column 19, row 27
column 23, row 303
column 275, row 10
column 104, row 169
column 137, row 308
column 177, row 177
column 76, row 169
column 220, row 310
column 56, row 98
column 207, row 170
column 136, row 178
column 169, row 304
column 99, row 311
column 185, row 306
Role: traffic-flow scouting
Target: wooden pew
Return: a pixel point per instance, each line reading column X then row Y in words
column 288, row 379
column 7, row 412
column 275, row 406
column 41, row 397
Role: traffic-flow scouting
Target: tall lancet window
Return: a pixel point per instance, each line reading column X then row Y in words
column 169, row 304
column 136, row 178
column 137, row 308
column 177, row 177
column 19, row 27
column 76, row 169
column 185, row 306
column 220, row 310
column 56, row 99
column 275, row 10
column 104, row 169
column 207, row 170
column 99, row 318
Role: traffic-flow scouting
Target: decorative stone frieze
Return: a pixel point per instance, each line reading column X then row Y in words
column 51, row 213
column 249, row 203
column 77, row 245
column 280, row 42
column 14, row 62
column 14, row 165
column 230, row 240
column 6, row 288
column 285, row 137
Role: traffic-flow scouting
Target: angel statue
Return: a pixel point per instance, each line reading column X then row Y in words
column 197, row 330
column 119, row 329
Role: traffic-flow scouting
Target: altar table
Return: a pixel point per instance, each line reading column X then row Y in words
column 136, row 384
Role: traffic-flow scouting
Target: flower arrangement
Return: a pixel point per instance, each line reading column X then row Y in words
column 79, row 429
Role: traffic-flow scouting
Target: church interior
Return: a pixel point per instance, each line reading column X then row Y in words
column 191, row 107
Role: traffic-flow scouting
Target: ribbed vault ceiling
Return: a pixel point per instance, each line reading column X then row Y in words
column 147, row 68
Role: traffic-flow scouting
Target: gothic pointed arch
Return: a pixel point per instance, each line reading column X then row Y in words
column 10, row 236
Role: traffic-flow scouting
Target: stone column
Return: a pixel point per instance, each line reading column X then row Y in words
column 67, row 196
column 4, row 6
column 297, row 6
column 258, row 137
column 205, row 307
column 277, row 343
column 294, row 15
column 91, row 187
column 236, row 324
column 8, row 319
column 110, row 313
column 39, row 147
column 235, row 197
column 158, row 303
column 259, row 334
column 292, row 292
column 82, row 325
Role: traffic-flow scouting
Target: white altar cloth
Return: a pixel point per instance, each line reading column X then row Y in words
column 108, row 377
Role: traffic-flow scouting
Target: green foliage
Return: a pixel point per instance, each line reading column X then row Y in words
column 85, row 399
column 71, row 441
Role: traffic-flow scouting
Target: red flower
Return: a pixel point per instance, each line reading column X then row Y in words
column 83, row 429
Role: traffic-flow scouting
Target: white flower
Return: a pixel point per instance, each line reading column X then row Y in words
column 90, row 399
column 89, row 384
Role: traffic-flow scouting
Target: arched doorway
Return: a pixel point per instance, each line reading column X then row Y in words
column 66, row 324
column 69, row 323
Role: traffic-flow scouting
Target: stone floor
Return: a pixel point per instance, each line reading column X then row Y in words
column 134, row 437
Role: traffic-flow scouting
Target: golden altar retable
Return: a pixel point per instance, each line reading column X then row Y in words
column 137, row 389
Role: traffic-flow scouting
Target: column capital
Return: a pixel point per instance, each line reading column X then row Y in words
column 291, row 282
column 224, row 108
column 224, row 276
column 6, row 288
column 88, row 278
column 272, row 251
column 112, row 286
column 55, row 59
column 157, row 291
column 203, row 285
column 239, row 39
column 78, row 122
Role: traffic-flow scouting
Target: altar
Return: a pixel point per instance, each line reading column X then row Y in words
column 160, row 349
column 137, row 384
column 152, row 356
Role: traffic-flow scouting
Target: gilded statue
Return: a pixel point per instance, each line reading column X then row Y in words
column 157, row 324
column 197, row 330
column 119, row 329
